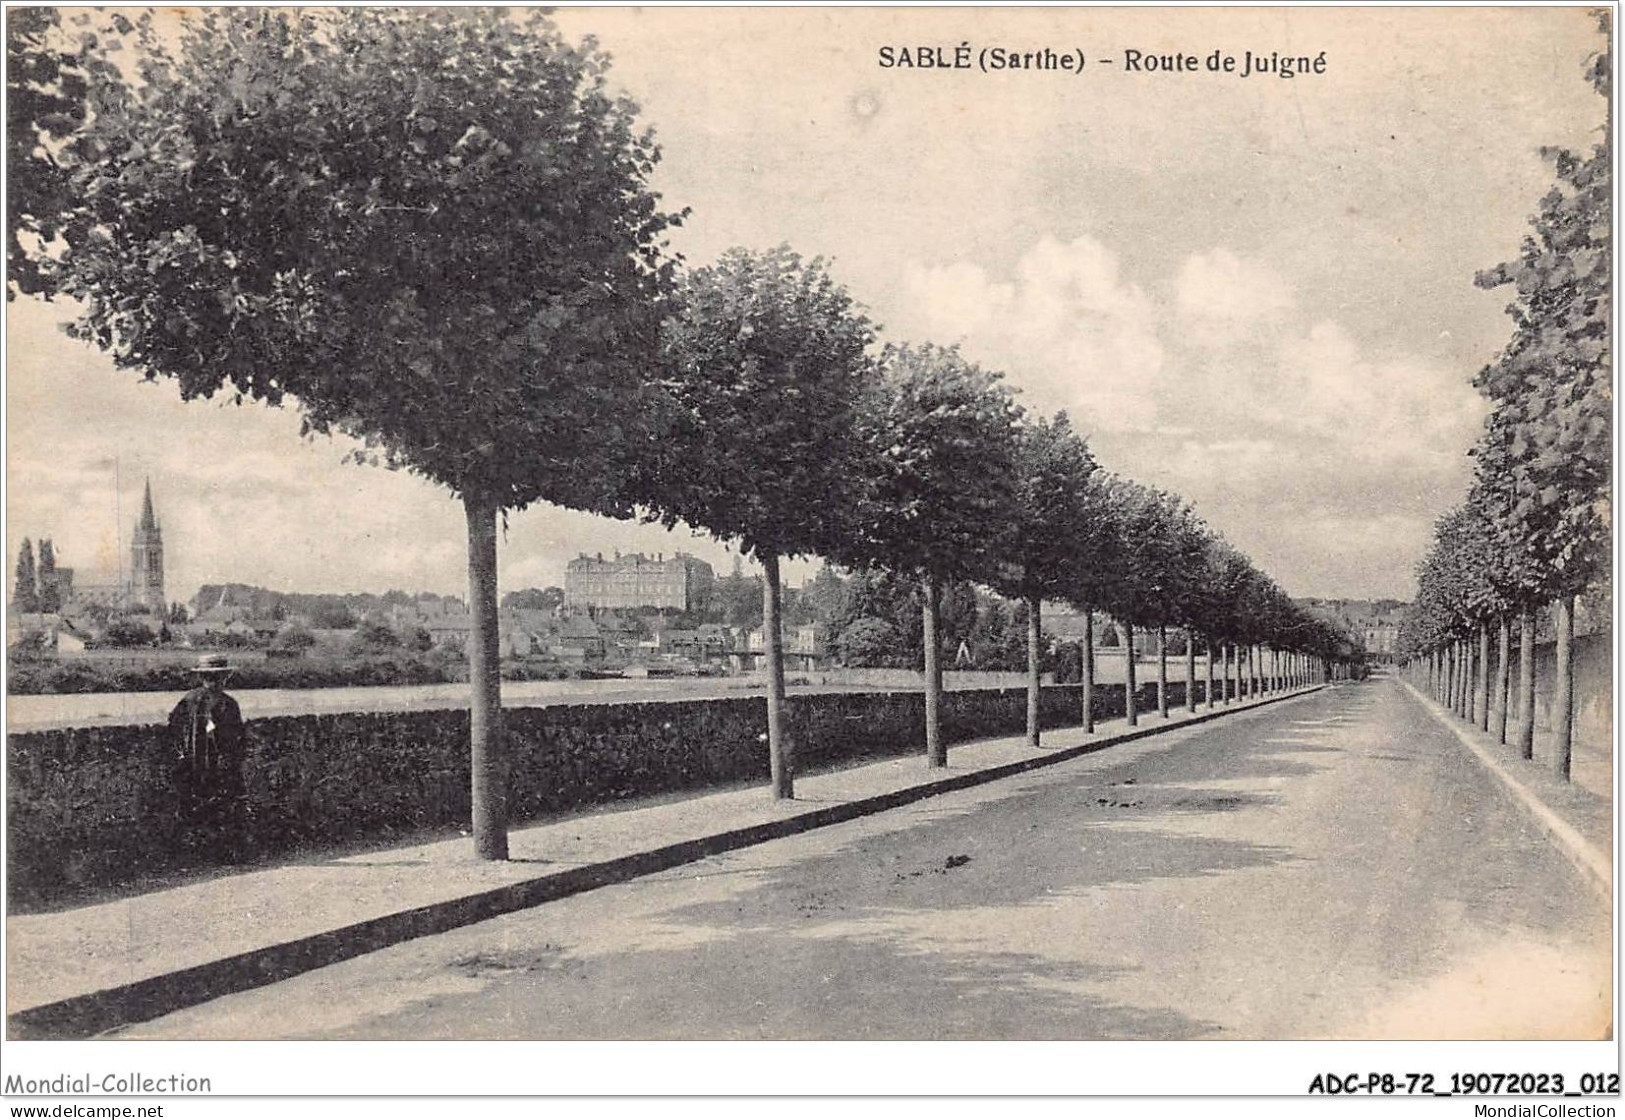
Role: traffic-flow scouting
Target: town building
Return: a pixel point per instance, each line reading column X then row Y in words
column 681, row 583
column 803, row 650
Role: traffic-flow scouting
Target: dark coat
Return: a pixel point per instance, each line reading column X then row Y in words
column 206, row 731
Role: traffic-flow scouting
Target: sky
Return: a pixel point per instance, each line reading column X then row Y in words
column 1255, row 292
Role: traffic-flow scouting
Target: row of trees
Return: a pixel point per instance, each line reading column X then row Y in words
column 1535, row 528
column 432, row 230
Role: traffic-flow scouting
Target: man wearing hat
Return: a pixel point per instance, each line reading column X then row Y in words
column 206, row 728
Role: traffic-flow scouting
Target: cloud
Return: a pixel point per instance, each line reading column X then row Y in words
column 1393, row 407
column 1065, row 327
column 1222, row 298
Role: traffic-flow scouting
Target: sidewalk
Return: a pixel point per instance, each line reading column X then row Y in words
column 78, row 972
column 1578, row 822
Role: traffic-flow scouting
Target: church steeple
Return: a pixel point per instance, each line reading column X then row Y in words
column 147, row 559
column 148, row 521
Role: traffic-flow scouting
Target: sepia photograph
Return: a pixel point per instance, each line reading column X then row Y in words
column 646, row 524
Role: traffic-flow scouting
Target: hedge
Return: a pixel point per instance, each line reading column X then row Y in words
column 92, row 807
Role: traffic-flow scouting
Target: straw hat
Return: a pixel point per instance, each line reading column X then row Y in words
column 210, row 664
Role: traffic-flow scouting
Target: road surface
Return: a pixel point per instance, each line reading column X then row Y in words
column 1332, row 867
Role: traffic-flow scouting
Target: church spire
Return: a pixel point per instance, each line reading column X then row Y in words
column 148, row 521
column 146, row 587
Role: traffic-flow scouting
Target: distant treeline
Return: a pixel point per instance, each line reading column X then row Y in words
column 331, row 611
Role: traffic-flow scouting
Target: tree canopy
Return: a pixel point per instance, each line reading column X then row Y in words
column 938, row 436
column 765, row 363
column 429, row 227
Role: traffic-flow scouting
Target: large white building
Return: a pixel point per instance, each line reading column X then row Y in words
column 628, row 582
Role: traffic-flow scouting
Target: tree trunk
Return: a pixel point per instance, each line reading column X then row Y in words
column 1503, row 679
column 1190, row 669
column 1086, row 672
column 1469, row 697
column 1162, row 671
column 936, row 755
column 780, row 761
column 1467, row 680
column 1483, row 677
column 1128, row 670
column 1563, row 694
column 1526, row 684
column 1226, row 655
column 1474, row 671
column 1034, row 636
column 487, row 763
column 1207, row 699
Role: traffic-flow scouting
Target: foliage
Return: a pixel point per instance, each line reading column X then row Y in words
column 293, row 638
column 50, row 595
column 427, row 226
column 737, row 600
column 764, row 367
column 1548, row 445
column 49, row 70
column 1160, row 553
column 25, row 583
column 1537, row 522
column 938, row 435
column 373, row 636
column 534, row 599
column 1053, row 465
column 128, row 633
column 868, row 642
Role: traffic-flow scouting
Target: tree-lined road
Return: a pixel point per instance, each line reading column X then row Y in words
column 1335, row 866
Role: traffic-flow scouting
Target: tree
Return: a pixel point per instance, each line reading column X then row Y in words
column 534, row 599
column 128, row 633
column 868, row 643
column 765, row 361
column 49, row 70
column 293, row 638
column 938, row 433
column 1160, row 547
column 431, row 228
column 25, row 586
column 372, row 637
column 1550, row 436
column 738, row 600
column 50, row 594
column 1035, row 546
column 871, row 593
column 332, row 615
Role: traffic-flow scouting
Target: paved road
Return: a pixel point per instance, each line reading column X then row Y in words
column 1336, row 866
